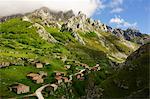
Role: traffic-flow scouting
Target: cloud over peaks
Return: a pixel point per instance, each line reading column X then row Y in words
column 121, row 23
column 116, row 20
column 22, row 6
column 115, row 3
column 116, row 10
column 115, row 6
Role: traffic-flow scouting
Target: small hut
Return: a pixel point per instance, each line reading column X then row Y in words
column 19, row 88
column 39, row 65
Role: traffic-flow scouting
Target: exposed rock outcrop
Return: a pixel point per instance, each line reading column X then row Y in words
column 78, row 38
column 82, row 23
column 44, row 34
column 25, row 18
column 45, row 13
column 118, row 32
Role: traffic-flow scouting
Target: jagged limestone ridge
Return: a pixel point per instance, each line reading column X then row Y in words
column 44, row 34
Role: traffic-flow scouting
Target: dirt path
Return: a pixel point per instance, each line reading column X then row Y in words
column 39, row 90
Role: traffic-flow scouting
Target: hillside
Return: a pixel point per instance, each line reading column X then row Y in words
column 56, row 40
column 132, row 80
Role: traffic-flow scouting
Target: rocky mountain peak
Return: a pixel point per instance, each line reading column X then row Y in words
column 132, row 29
column 69, row 14
column 68, row 21
column 45, row 9
column 80, row 13
column 42, row 13
column 45, row 13
column 133, row 32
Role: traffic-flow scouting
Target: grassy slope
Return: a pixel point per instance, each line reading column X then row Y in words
column 17, row 40
column 116, row 49
column 134, row 75
column 129, row 78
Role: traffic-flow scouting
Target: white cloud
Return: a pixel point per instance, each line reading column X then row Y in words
column 101, row 6
column 121, row 23
column 116, row 20
column 21, row 6
column 115, row 3
column 126, row 24
column 115, row 6
column 116, row 10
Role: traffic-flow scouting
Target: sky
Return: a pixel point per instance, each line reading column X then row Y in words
column 115, row 13
column 125, row 14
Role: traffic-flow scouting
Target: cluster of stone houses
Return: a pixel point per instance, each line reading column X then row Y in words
column 94, row 68
column 22, row 61
column 7, row 64
column 37, row 77
column 80, row 75
column 60, row 77
column 21, row 88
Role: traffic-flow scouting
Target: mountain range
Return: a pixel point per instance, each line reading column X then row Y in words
column 48, row 41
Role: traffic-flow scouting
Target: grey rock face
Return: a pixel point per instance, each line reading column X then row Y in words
column 73, row 23
column 45, row 13
column 118, row 32
column 25, row 18
column 131, row 35
column 44, row 34
column 78, row 38
column 68, row 14
column 67, row 21
column 136, row 36
column 5, row 18
column 109, row 29
column 82, row 23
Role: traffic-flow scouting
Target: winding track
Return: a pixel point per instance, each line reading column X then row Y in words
column 38, row 93
column 39, row 90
